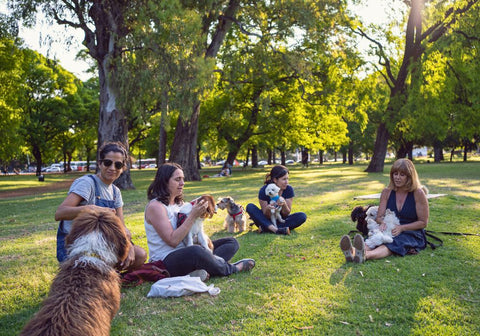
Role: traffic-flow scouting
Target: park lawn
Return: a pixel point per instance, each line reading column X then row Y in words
column 301, row 284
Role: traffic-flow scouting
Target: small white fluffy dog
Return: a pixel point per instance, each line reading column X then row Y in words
column 272, row 191
column 375, row 236
column 235, row 217
column 196, row 230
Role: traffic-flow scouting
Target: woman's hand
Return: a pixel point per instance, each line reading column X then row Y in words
column 199, row 209
column 397, row 230
column 100, row 208
column 129, row 260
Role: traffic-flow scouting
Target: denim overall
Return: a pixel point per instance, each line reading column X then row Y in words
column 62, row 231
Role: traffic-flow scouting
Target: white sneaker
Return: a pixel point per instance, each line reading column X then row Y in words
column 201, row 273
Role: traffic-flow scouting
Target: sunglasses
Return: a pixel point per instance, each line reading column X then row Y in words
column 108, row 163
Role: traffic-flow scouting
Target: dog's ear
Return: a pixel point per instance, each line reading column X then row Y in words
column 358, row 215
column 211, row 208
column 358, row 212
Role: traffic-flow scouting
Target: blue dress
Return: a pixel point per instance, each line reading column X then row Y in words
column 407, row 241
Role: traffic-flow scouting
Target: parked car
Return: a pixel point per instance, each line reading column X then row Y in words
column 151, row 165
column 289, row 162
column 53, row 169
column 262, row 163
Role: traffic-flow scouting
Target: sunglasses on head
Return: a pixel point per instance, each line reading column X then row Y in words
column 108, row 163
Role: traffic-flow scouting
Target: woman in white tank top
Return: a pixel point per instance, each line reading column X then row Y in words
column 165, row 239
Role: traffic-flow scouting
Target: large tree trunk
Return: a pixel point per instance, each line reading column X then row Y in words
column 254, row 157
column 38, row 158
column 380, row 150
column 184, row 148
column 103, row 46
column 437, row 151
column 112, row 124
column 413, row 50
column 350, row 154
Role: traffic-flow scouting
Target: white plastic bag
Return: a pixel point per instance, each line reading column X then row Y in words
column 180, row 286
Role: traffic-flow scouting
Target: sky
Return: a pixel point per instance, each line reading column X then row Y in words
column 66, row 55
column 36, row 39
column 375, row 11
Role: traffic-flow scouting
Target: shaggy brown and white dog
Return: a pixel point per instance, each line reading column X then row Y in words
column 235, row 218
column 196, row 235
column 85, row 295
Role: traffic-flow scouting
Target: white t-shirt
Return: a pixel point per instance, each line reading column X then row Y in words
column 157, row 248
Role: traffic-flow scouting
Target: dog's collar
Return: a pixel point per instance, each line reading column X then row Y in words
column 275, row 198
column 92, row 255
column 238, row 213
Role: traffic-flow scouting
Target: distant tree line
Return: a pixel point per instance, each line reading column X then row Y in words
column 182, row 80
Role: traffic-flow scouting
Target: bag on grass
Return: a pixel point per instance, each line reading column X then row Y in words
column 180, row 286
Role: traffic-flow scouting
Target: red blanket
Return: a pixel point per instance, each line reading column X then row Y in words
column 151, row 272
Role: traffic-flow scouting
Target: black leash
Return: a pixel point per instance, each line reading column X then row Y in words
column 438, row 242
column 432, row 244
column 455, row 233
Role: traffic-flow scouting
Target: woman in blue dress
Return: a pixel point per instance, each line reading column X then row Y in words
column 261, row 216
column 406, row 197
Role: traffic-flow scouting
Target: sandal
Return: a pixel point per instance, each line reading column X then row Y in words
column 247, row 265
column 346, row 247
column 283, row 231
column 359, row 245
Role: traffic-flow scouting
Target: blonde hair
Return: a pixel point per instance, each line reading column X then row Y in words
column 405, row 166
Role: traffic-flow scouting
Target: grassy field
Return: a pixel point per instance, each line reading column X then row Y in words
column 301, row 284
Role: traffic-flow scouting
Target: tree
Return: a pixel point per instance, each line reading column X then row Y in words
column 45, row 97
column 416, row 41
column 184, row 145
column 104, row 23
column 267, row 81
column 10, row 88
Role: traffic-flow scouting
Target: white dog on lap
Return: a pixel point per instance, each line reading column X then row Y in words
column 272, row 191
column 377, row 237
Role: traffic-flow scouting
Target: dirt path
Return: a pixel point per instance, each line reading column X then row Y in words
column 36, row 190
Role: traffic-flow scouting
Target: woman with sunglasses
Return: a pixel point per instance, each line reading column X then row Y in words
column 98, row 191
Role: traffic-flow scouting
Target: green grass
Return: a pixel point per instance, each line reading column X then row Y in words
column 301, row 284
